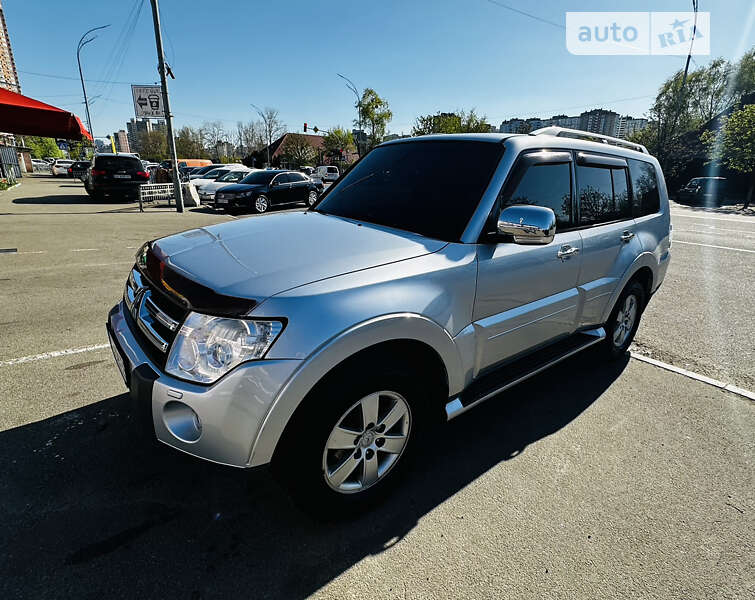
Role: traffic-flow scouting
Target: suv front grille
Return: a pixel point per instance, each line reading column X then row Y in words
column 157, row 319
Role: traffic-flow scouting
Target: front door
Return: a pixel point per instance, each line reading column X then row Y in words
column 527, row 294
column 280, row 189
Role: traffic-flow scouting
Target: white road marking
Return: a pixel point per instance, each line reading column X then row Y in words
column 52, row 354
column 713, row 229
column 713, row 246
column 84, row 249
column 728, row 387
column 744, row 218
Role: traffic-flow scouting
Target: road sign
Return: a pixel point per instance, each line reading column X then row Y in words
column 148, row 101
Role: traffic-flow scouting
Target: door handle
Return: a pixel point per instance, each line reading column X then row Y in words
column 626, row 236
column 567, row 251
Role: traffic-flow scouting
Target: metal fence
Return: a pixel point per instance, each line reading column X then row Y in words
column 155, row 192
column 9, row 167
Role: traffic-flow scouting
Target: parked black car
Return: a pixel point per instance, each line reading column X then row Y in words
column 260, row 190
column 115, row 176
column 79, row 169
column 705, row 191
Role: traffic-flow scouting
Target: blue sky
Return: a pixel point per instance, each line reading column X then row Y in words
column 423, row 56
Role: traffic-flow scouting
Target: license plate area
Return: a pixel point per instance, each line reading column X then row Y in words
column 222, row 201
column 120, row 360
column 119, row 176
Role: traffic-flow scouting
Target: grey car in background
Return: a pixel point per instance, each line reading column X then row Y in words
column 328, row 342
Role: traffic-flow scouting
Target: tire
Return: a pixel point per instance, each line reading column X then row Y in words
column 261, row 204
column 330, row 481
column 624, row 320
column 311, row 198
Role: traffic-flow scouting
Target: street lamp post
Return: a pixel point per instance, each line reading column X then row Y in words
column 353, row 88
column 82, row 43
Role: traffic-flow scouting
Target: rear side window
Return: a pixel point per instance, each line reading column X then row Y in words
column 603, row 195
column 547, row 185
column 645, row 197
column 117, row 163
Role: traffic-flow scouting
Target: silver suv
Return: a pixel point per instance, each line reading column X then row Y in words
column 324, row 341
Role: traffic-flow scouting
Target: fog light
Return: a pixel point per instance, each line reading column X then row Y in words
column 182, row 421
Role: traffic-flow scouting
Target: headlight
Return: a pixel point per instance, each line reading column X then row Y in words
column 246, row 194
column 206, row 347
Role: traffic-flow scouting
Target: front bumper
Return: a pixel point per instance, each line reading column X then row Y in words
column 219, row 422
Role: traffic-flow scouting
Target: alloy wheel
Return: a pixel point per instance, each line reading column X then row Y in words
column 261, row 204
column 625, row 320
column 312, row 198
column 366, row 442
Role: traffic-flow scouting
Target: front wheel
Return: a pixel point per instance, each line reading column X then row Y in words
column 261, row 204
column 349, row 445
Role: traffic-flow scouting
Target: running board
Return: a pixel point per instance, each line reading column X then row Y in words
column 519, row 370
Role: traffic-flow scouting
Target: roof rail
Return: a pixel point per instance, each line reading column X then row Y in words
column 591, row 137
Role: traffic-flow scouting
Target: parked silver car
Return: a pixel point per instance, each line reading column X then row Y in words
column 325, row 341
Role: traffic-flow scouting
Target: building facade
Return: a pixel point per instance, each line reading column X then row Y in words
column 599, row 120
column 8, row 73
column 137, row 126
column 121, row 141
column 626, row 126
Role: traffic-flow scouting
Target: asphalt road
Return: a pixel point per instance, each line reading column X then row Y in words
column 622, row 482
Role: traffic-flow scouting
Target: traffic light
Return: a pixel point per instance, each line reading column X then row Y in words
column 305, row 128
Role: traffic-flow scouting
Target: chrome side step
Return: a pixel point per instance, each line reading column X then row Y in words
column 522, row 369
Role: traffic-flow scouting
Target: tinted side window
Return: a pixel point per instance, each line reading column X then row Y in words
column 645, row 197
column 295, row 177
column 547, row 185
column 603, row 195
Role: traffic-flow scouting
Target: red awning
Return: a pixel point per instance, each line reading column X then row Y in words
column 26, row 116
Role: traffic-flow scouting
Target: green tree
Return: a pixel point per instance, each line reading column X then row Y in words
column 455, row 122
column 744, row 74
column 189, row 143
column 734, row 144
column 297, row 150
column 42, row 147
column 153, row 145
column 338, row 139
column 376, row 114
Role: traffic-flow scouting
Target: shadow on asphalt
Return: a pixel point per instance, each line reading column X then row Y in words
column 725, row 207
column 92, row 510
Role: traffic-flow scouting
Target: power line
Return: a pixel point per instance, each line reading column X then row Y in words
column 52, row 76
column 526, row 14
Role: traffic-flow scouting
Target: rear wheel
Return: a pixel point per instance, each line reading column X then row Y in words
column 349, row 444
column 624, row 320
column 311, row 198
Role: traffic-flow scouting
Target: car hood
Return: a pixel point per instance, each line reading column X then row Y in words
column 259, row 257
column 215, row 185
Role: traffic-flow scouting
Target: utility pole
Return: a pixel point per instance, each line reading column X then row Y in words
column 82, row 43
column 166, row 105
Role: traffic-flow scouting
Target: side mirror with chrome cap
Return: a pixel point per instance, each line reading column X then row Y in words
column 528, row 224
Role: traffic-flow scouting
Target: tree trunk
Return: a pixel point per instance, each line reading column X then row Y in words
column 748, row 198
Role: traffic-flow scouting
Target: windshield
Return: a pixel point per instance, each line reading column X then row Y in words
column 215, row 173
column 204, row 170
column 259, row 177
column 232, row 176
column 429, row 187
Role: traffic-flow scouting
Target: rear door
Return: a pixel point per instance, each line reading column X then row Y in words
column 609, row 240
column 527, row 295
column 299, row 187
